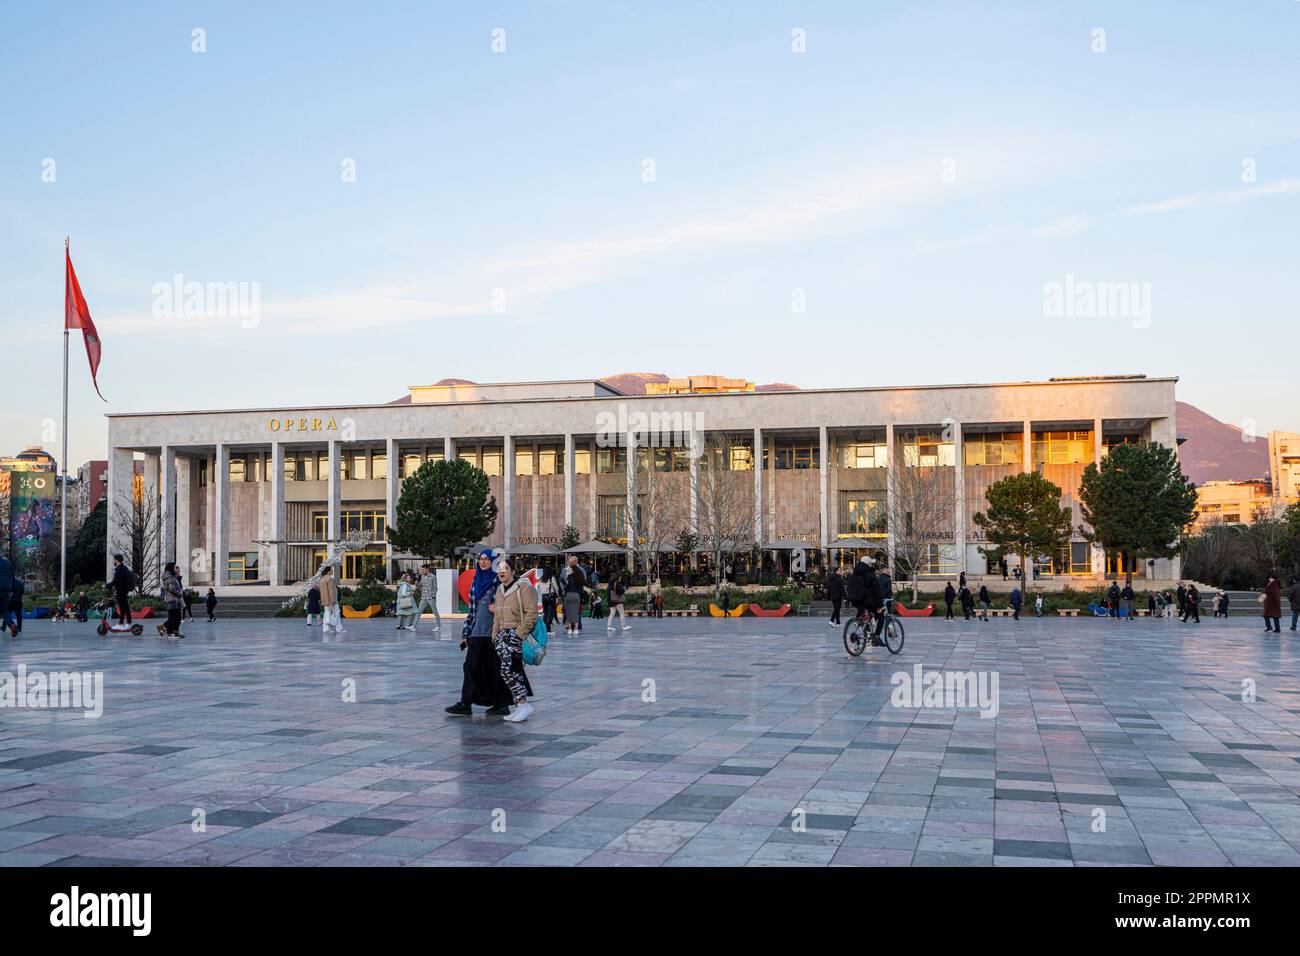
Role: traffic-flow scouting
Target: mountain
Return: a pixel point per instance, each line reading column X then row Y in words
column 1215, row 451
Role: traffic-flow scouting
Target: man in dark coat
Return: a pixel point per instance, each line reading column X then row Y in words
column 6, row 585
column 967, row 603
column 949, row 595
column 1182, row 600
column 835, row 594
column 1112, row 600
column 122, row 583
column 1193, row 605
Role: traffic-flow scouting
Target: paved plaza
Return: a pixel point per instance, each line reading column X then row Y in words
column 682, row 742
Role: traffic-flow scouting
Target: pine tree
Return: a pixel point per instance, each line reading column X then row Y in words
column 1025, row 517
column 444, row 506
column 1138, row 502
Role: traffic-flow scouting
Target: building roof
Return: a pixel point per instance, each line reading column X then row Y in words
column 756, row 396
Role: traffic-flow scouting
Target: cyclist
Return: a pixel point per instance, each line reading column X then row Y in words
column 864, row 591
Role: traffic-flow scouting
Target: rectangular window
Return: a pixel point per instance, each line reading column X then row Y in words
column 373, row 522
column 468, row 454
column 492, row 462
column 550, row 461
column 611, row 516
column 410, row 464
column 861, row 455
column 237, row 468
column 927, row 451
column 860, row 516
column 993, row 448
column 582, row 461
column 523, row 461
column 741, row 458
column 611, row 461
column 379, row 465
column 241, row 566
column 1063, row 448
column 360, row 465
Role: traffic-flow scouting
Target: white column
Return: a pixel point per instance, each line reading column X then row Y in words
column 508, row 490
column 630, row 527
column 448, row 449
column 593, row 510
column 758, row 487
column 152, row 487
column 276, row 550
column 221, row 515
column 334, row 498
column 184, row 516
column 824, row 491
column 1027, row 574
column 167, row 504
column 570, row 481
column 889, row 496
column 392, row 485
column 1098, row 452
column 959, row 496
column 694, row 483
column 121, row 469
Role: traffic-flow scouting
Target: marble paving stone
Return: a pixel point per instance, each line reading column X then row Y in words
column 1140, row 726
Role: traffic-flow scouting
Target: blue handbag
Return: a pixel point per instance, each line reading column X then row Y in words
column 534, row 646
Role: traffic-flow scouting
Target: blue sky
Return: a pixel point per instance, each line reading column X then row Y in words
column 919, row 173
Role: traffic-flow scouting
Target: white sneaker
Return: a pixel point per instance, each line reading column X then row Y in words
column 609, row 627
column 520, row 713
column 627, row 627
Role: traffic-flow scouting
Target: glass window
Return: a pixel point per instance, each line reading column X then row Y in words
column 241, row 566
column 410, row 464
column 550, row 461
column 237, row 468
column 861, row 454
column 993, row 448
column 379, row 465
column 524, row 461
column 862, row 515
column 611, row 461
column 582, row 461
column 927, row 450
column 492, row 462
column 360, row 465
column 1063, row 448
column 468, row 454
column 741, row 458
column 435, row 454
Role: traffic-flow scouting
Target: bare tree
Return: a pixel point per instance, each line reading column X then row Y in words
column 661, row 514
column 921, row 514
column 724, row 503
column 141, row 523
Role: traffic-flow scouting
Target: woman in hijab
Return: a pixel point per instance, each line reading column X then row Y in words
column 482, row 683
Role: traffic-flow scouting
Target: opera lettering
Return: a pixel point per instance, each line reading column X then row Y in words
column 302, row 424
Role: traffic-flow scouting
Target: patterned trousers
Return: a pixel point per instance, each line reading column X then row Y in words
column 508, row 643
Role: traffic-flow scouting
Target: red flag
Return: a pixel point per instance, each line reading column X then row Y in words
column 77, row 316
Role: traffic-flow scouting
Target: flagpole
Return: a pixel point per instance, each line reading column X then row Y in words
column 63, row 520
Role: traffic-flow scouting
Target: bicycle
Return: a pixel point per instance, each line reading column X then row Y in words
column 858, row 631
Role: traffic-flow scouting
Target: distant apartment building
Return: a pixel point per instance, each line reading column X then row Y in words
column 699, row 385
column 1233, row 502
column 92, row 486
column 1284, row 465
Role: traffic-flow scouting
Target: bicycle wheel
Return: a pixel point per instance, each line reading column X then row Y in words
column 855, row 637
column 894, row 635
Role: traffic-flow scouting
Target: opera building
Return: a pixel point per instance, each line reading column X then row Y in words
column 262, row 495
